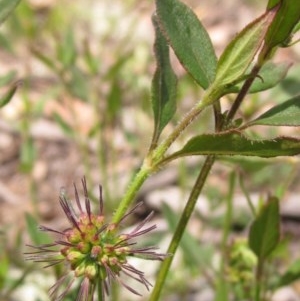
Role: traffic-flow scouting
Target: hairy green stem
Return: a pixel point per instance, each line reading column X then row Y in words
column 197, row 188
column 185, row 217
column 159, row 152
column 210, row 97
column 131, row 192
column 154, row 158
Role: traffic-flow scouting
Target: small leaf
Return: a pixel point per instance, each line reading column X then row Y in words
column 287, row 16
column 234, row 143
column 28, row 155
column 44, row 59
column 7, row 78
column 269, row 76
column 264, row 232
column 78, row 84
column 66, row 50
column 9, row 94
column 240, row 52
column 114, row 100
column 38, row 237
column 116, row 68
column 284, row 114
column 7, row 7
column 4, row 268
column 292, row 274
column 91, row 61
column 189, row 39
column 64, row 125
column 163, row 85
column 6, row 43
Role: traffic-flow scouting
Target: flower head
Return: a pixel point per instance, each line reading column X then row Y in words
column 94, row 251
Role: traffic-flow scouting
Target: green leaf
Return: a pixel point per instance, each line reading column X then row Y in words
column 6, row 43
column 264, row 232
column 116, row 69
column 284, row 114
column 163, row 85
column 7, row 78
column 287, row 16
column 292, row 274
column 240, row 52
column 114, row 100
column 78, row 84
column 4, row 268
column 92, row 62
column 68, row 130
column 189, row 39
column 66, row 50
column 9, row 94
column 269, row 76
column 28, row 155
column 234, row 143
column 51, row 64
column 38, row 237
column 7, row 7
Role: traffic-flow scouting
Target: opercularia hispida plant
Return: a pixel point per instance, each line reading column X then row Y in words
column 93, row 251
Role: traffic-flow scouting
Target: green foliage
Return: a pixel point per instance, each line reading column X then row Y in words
column 4, row 265
column 36, row 236
column 64, row 125
column 264, row 231
column 269, row 76
column 6, row 8
column 9, row 95
column 287, row 17
column 7, row 78
column 163, row 85
column 105, row 78
column 66, row 49
column 292, row 274
column 233, row 143
column 189, row 40
column 28, row 154
column 239, row 53
column 284, row 114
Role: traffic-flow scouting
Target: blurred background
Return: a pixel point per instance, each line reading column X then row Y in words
column 84, row 110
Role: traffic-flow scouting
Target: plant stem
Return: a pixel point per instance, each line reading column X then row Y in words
column 154, row 157
column 197, row 188
column 228, row 215
column 248, row 199
column 131, row 192
column 100, row 292
column 187, row 212
column 258, row 276
column 221, row 285
column 244, row 90
column 210, row 96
